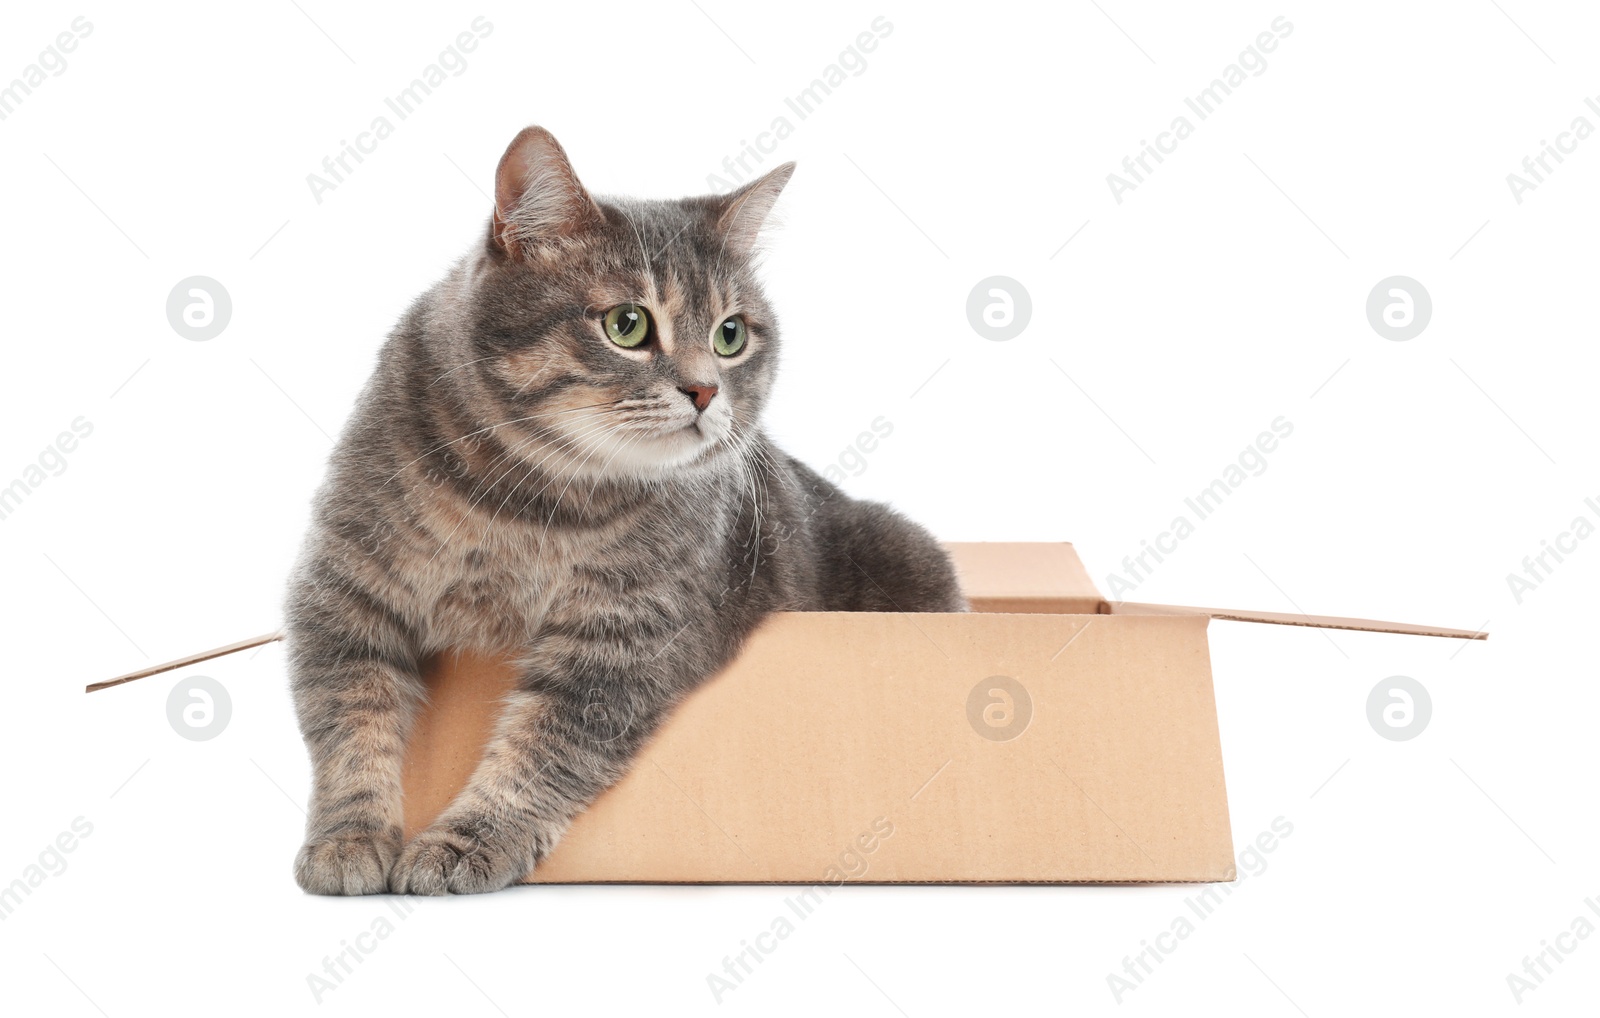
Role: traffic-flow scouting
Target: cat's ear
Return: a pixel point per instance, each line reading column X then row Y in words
column 745, row 211
column 537, row 197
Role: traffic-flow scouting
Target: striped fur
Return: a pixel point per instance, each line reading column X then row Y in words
column 511, row 480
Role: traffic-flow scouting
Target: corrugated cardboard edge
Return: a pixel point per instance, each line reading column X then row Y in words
column 1292, row 619
column 184, row 662
column 1228, row 878
column 1036, row 605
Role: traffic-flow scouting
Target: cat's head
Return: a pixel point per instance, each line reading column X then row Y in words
column 618, row 337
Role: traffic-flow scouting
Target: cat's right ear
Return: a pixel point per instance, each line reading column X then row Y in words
column 537, row 197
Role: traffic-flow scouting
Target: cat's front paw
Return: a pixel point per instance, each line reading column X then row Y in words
column 347, row 863
column 443, row 861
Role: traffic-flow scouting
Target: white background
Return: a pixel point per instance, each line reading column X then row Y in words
column 1225, row 291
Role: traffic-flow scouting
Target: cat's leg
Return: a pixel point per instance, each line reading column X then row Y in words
column 568, row 733
column 875, row 559
column 355, row 679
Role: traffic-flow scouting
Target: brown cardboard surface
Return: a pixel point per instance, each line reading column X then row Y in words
column 832, row 729
column 1294, row 619
column 448, row 734
column 1024, row 578
column 186, row 661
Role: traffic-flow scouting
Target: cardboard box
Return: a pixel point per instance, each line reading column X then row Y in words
column 1049, row 736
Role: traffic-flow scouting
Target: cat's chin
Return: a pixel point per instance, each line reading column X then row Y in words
column 655, row 456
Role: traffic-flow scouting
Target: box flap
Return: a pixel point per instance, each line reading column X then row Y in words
column 1293, row 619
column 1026, row 578
column 186, row 661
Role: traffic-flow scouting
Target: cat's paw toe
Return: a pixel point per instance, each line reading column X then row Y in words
column 444, row 862
column 346, row 863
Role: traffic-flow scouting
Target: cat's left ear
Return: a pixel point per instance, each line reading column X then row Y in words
column 745, row 211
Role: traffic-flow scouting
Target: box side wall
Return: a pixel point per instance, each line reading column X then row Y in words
column 901, row 748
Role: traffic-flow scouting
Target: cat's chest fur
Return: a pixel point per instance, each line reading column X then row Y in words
column 494, row 583
column 499, row 593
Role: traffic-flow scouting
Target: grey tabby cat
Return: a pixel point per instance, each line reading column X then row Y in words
column 559, row 456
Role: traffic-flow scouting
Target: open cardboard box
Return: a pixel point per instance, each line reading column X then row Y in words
column 1050, row 736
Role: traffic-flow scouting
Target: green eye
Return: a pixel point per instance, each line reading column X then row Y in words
column 729, row 337
column 627, row 325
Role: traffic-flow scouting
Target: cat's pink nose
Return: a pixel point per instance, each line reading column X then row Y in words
column 700, row 395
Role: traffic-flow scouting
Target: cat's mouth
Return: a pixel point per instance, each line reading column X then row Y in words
column 641, row 448
column 694, row 440
column 695, row 433
column 702, row 428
